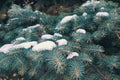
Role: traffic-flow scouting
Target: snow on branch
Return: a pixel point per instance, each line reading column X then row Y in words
column 72, row 54
column 68, row 18
column 102, row 14
column 47, row 45
column 47, row 36
column 81, row 31
column 62, row 42
column 31, row 27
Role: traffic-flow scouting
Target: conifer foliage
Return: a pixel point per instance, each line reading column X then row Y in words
column 82, row 45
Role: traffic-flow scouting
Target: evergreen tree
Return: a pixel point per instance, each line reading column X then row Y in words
column 81, row 45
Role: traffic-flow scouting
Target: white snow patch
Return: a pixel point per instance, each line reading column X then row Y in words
column 68, row 18
column 20, row 38
column 25, row 45
column 102, row 8
column 40, row 18
column 86, row 4
column 102, row 14
column 84, row 14
column 57, row 34
column 31, row 27
column 81, row 31
column 90, row 3
column 62, row 42
column 47, row 45
column 36, row 11
column 97, row 2
column 5, row 48
column 72, row 54
column 47, row 36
